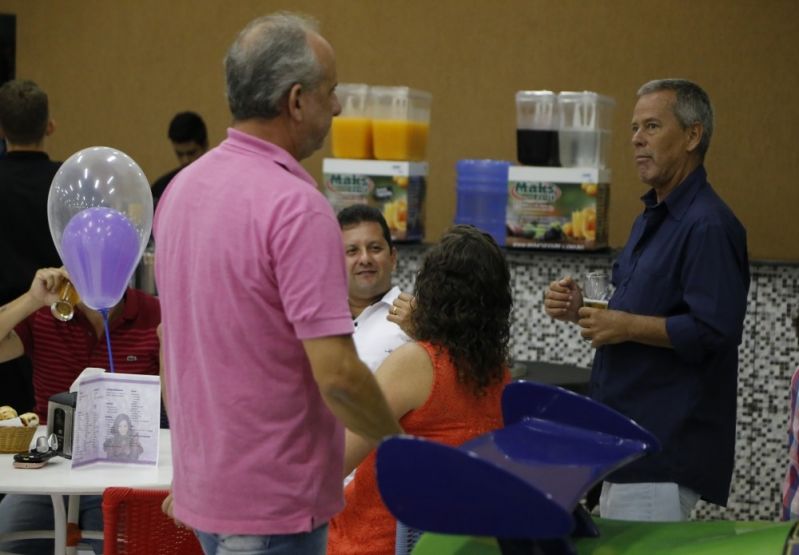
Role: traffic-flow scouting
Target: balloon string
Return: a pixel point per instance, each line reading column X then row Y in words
column 104, row 312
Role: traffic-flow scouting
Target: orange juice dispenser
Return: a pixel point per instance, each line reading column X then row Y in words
column 400, row 123
column 351, row 132
column 379, row 145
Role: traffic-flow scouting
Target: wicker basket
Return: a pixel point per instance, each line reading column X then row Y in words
column 17, row 439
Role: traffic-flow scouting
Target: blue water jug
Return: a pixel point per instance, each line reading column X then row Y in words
column 482, row 193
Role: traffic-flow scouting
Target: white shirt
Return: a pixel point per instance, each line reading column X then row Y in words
column 375, row 337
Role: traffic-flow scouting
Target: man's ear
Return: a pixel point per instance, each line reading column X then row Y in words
column 50, row 129
column 695, row 131
column 295, row 100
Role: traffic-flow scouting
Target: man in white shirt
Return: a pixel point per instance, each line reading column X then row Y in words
column 377, row 308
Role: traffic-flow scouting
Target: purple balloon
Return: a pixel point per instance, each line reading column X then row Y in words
column 100, row 248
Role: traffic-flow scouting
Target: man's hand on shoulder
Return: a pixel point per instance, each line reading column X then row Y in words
column 400, row 312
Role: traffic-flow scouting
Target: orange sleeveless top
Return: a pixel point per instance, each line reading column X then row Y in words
column 451, row 415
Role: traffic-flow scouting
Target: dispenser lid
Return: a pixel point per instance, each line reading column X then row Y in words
column 588, row 96
column 535, row 95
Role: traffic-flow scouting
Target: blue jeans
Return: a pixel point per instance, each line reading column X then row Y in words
column 35, row 512
column 306, row 543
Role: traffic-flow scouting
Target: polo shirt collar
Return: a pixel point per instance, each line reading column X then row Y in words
column 678, row 201
column 386, row 299
column 130, row 311
column 279, row 155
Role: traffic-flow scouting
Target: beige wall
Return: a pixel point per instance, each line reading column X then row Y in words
column 117, row 71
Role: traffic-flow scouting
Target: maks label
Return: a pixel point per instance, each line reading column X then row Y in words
column 349, row 184
column 536, row 191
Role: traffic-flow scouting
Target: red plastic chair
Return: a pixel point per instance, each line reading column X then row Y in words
column 133, row 524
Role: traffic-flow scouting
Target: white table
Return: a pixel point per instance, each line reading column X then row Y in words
column 57, row 479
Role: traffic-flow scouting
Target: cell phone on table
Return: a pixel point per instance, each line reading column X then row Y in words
column 32, row 459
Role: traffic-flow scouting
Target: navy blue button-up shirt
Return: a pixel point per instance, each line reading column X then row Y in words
column 685, row 260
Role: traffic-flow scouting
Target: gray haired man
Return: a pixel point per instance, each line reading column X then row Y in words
column 266, row 373
column 667, row 347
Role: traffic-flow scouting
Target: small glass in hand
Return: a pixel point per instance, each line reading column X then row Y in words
column 64, row 308
column 596, row 290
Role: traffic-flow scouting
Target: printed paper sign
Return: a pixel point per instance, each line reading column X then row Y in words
column 117, row 419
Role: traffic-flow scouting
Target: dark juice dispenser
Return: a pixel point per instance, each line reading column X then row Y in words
column 537, row 128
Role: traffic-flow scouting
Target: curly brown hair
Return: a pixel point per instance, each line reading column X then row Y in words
column 463, row 304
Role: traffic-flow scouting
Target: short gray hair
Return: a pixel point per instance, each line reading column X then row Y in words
column 692, row 105
column 269, row 56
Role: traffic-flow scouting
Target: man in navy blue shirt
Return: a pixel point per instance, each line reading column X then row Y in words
column 667, row 347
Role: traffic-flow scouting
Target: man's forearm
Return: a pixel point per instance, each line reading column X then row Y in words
column 12, row 314
column 349, row 388
column 649, row 330
column 16, row 311
column 362, row 408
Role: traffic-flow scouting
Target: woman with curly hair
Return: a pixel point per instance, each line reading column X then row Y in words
column 447, row 385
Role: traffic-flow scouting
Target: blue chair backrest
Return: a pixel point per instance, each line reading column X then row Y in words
column 521, row 481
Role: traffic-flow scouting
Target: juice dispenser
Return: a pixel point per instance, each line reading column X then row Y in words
column 537, row 128
column 352, row 129
column 400, row 123
column 584, row 129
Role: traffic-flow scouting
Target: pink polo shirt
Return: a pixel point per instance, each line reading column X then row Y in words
column 249, row 262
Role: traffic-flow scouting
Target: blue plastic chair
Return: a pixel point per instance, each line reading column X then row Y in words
column 524, row 480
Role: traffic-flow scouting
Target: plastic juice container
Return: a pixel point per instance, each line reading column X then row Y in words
column 351, row 131
column 400, row 139
column 400, row 123
column 352, row 137
column 585, row 128
column 537, row 128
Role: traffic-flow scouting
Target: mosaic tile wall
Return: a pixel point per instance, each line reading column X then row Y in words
column 768, row 355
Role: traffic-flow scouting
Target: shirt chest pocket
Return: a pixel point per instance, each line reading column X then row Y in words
column 651, row 285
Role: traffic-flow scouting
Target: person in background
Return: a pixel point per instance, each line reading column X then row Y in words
column 667, row 348
column 790, row 501
column 60, row 351
column 447, row 385
column 371, row 258
column 26, row 172
column 261, row 379
column 189, row 139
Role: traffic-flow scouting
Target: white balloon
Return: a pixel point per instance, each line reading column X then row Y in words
column 94, row 182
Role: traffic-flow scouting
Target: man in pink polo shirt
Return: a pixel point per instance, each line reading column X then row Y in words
column 261, row 370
